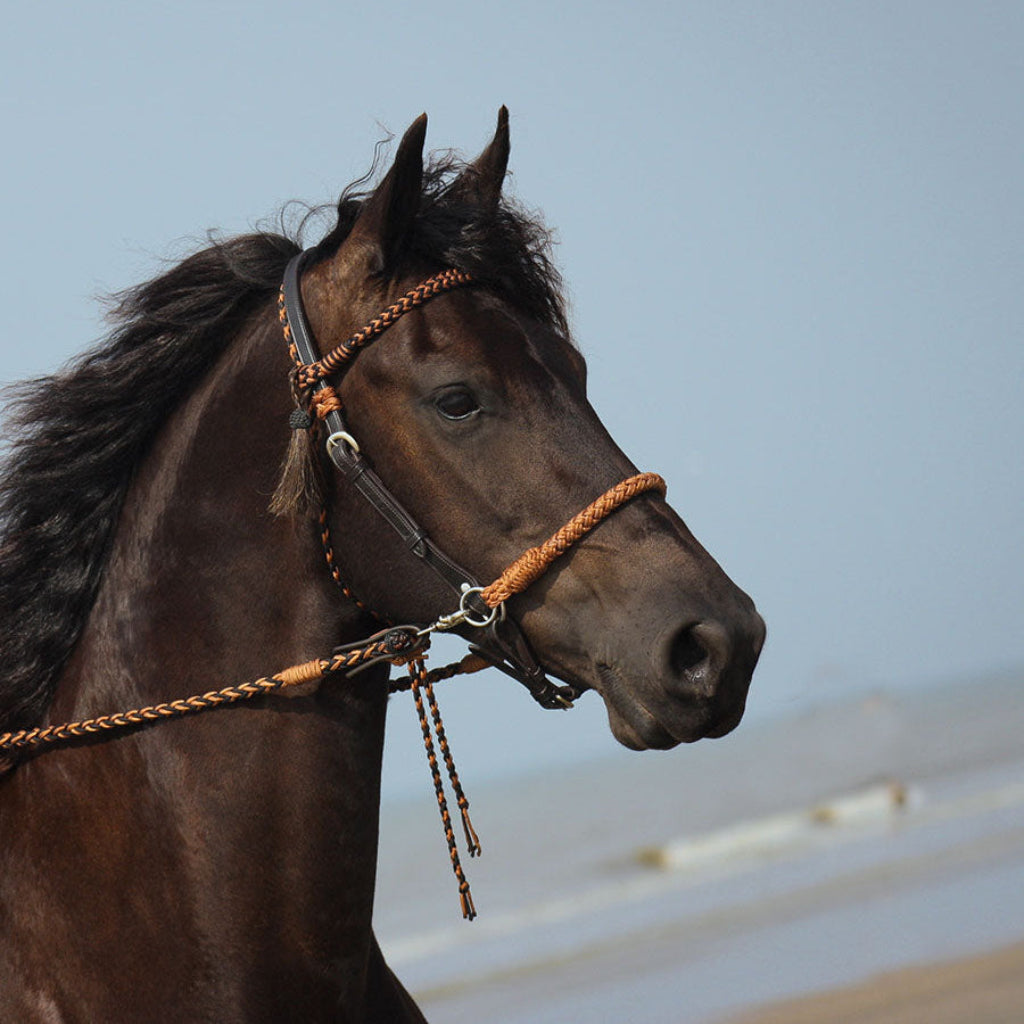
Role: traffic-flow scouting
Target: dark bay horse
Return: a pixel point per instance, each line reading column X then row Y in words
column 220, row 867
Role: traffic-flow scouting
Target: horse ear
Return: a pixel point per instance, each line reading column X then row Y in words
column 483, row 178
column 386, row 219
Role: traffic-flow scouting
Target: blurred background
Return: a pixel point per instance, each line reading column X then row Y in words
column 791, row 234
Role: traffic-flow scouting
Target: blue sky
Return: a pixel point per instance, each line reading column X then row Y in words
column 791, row 234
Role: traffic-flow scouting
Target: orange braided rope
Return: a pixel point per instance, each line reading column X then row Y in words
column 309, row 374
column 472, row 839
column 31, row 739
column 327, row 544
column 532, row 564
column 296, row 675
column 469, row 664
column 325, row 401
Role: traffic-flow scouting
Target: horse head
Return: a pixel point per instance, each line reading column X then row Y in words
column 223, row 865
column 475, row 414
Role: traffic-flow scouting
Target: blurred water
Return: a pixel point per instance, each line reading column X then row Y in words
column 575, row 925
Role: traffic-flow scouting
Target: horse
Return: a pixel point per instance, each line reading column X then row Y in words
column 221, row 867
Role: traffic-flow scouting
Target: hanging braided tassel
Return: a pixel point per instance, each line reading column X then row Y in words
column 301, row 485
column 472, row 840
column 419, row 682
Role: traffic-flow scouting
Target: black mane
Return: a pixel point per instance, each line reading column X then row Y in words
column 76, row 437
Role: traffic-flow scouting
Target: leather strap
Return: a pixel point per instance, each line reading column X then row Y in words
column 502, row 642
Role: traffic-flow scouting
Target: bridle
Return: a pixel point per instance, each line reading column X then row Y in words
column 496, row 639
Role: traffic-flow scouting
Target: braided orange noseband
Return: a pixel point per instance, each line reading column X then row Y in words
column 532, row 564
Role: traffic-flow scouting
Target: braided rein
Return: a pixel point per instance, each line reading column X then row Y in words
column 399, row 645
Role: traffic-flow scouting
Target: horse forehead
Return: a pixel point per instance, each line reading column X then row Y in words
column 479, row 327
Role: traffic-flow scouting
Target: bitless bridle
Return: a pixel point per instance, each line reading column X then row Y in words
column 497, row 639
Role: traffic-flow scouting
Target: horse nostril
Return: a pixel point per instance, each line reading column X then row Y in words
column 700, row 653
column 687, row 652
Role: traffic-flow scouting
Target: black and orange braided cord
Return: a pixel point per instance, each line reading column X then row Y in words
column 310, row 373
column 396, row 645
column 420, row 684
column 399, row 646
column 472, row 839
column 332, row 564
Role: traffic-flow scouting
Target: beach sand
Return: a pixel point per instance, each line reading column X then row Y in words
column 986, row 989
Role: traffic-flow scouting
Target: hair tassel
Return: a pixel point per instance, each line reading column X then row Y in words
column 300, row 487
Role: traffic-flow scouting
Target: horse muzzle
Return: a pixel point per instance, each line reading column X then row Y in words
column 693, row 686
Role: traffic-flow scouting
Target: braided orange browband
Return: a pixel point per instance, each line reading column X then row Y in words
column 532, row 564
column 310, row 373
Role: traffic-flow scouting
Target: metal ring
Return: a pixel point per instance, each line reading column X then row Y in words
column 342, row 435
column 465, row 612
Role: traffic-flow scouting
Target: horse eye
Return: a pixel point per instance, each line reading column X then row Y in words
column 458, row 404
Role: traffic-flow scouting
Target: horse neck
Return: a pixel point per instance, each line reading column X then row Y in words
column 263, row 816
column 200, row 575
